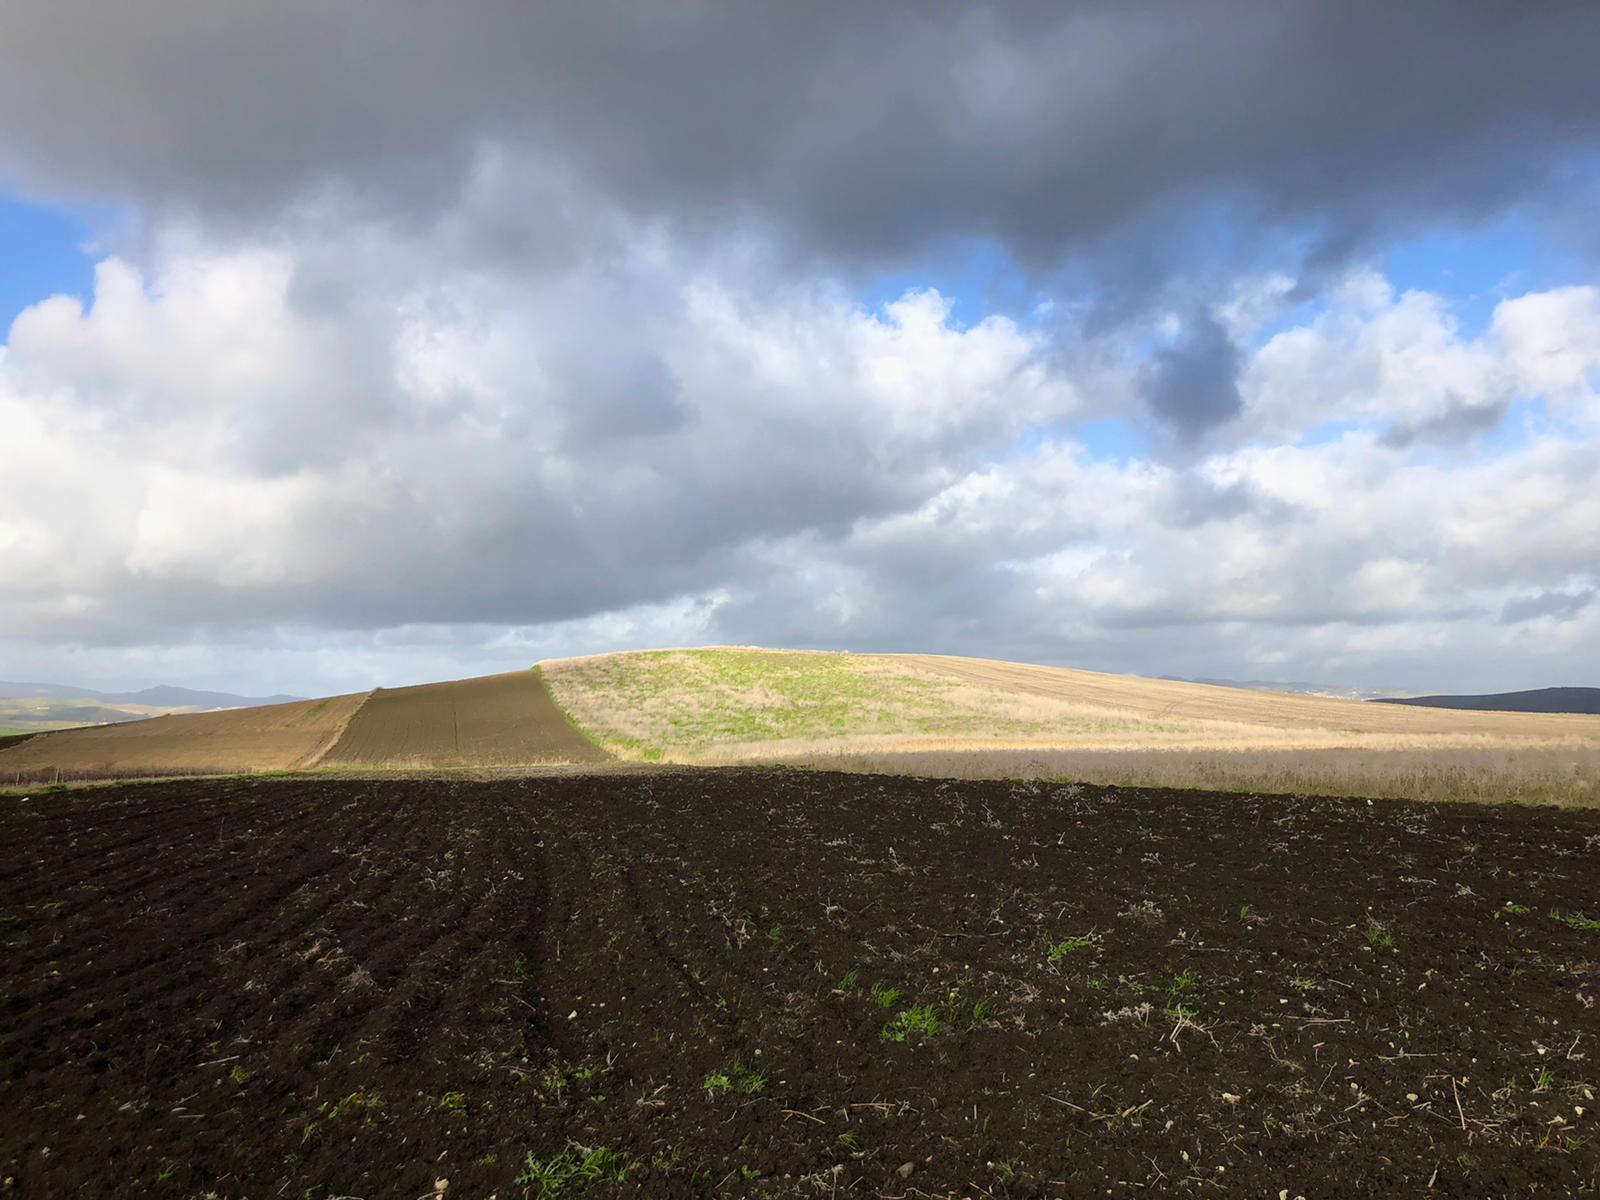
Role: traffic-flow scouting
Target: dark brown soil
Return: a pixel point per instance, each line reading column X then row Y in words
column 312, row 987
column 497, row 720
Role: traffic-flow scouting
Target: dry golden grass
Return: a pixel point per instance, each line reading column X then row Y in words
column 1521, row 775
column 959, row 716
column 277, row 737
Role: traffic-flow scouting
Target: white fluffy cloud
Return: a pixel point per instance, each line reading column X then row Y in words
column 300, row 462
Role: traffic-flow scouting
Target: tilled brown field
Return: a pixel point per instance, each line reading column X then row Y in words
column 776, row 983
column 274, row 737
column 497, row 720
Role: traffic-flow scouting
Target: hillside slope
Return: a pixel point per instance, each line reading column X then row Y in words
column 963, row 717
column 495, row 721
column 1584, row 700
column 274, row 738
column 735, row 702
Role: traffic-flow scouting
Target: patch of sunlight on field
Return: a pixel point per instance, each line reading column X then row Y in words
column 924, row 714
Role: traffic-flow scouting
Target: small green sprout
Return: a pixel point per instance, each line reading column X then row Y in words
column 1069, row 946
column 717, row 1083
column 918, row 1019
column 884, row 995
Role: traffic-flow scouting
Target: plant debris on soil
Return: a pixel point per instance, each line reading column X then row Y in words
column 754, row 982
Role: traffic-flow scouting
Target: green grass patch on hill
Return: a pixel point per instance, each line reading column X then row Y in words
column 654, row 703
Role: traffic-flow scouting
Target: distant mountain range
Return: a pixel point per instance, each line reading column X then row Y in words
column 1582, row 700
column 163, row 696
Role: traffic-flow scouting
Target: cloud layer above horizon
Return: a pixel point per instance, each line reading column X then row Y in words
column 420, row 345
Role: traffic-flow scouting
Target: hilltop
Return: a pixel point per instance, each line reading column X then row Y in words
column 891, row 713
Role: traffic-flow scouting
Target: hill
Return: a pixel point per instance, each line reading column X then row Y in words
column 271, row 738
column 737, row 703
column 495, row 721
column 1584, row 700
column 160, row 696
column 965, row 717
column 894, row 713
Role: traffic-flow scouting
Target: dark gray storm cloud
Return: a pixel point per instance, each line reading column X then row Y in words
column 1460, row 422
column 1193, row 383
column 857, row 132
column 1563, row 606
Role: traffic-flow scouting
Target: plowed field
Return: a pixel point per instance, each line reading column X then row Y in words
column 790, row 984
column 494, row 721
column 271, row 738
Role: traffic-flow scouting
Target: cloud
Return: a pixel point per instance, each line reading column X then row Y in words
column 238, row 455
column 1372, row 355
column 1560, row 606
column 1192, row 383
column 470, row 450
column 857, row 135
column 429, row 340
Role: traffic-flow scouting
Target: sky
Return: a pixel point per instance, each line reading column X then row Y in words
column 355, row 345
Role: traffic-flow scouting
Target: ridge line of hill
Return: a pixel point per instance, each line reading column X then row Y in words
column 1573, row 701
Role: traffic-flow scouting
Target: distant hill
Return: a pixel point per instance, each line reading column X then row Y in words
column 1581, row 700
column 163, row 696
column 1289, row 687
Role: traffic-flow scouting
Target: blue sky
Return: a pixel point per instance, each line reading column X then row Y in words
column 45, row 249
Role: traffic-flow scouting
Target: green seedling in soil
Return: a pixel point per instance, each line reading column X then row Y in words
column 1182, row 985
column 751, row 1083
column 884, row 995
column 553, row 1081
column 1246, row 911
column 1544, row 1080
column 749, row 1174
column 954, row 1014
column 1303, row 985
column 850, row 984
column 717, row 1083
column 1379, row 938
column 1004, row 1171
column 239, row 1075
column 847, row 1140
column 1466, row 1162
column 1070, row 946
column 919, row 1019
column 584, row 1074
column 1100, row 985
column 570, row 1171
column 453, row 1102
column 1576, row 921
column 1520, row 910
column 353, row 1103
